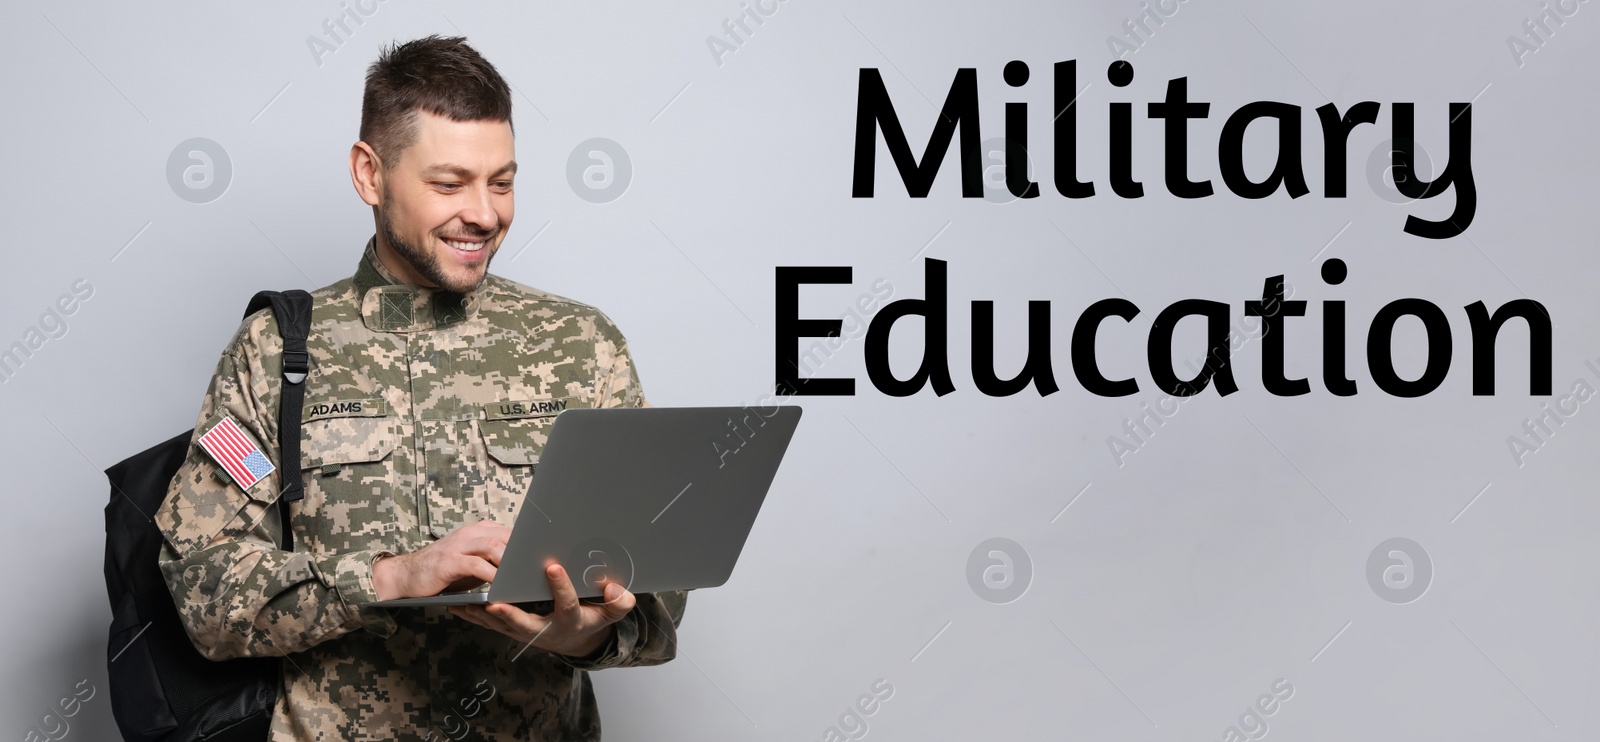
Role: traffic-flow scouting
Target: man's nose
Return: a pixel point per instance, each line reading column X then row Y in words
column 480, row 212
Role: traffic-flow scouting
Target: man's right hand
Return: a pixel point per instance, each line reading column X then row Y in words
column 462, row 560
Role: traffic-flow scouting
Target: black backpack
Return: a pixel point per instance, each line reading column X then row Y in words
column 162, row 688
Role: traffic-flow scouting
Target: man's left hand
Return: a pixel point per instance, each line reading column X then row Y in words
column 574, row 628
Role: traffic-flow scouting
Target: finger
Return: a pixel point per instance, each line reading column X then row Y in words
column 516, row 618
column 488, row 544
column 618, row 602
column 462, row 538
column 496, row 622
column 486, row 548
column 497, row 549
column 562, row 592
column 463, row 566
column 465, row 613
column 476, row 614
column 482, row 525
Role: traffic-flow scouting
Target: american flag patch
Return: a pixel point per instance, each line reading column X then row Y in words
column 233, row 449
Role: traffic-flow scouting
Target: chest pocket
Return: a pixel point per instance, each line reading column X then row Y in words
column 512, row 437
column 347, row 468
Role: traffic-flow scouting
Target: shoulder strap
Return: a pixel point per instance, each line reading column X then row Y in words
column 293, row 311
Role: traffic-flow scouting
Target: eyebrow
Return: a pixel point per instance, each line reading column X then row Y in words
column 509, row 168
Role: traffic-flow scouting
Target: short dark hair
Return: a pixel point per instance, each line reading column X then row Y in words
column 440, row 75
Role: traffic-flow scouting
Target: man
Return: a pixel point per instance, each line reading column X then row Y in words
column 412, row 470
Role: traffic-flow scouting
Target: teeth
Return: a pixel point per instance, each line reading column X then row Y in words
column 466, row 246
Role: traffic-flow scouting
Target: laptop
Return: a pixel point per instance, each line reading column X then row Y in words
column 652, row 498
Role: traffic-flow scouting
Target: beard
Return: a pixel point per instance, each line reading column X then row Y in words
column 425, row 262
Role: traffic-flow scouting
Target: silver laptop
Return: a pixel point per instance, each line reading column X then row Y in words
column 655, row 498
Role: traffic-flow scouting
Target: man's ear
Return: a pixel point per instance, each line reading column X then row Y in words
column 366, row 173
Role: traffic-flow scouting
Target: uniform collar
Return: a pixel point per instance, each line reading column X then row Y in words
column 391, row 305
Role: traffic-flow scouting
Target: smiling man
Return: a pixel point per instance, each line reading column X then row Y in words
column 412, row 469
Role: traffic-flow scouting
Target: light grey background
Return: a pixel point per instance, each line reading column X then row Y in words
column 1167, row 592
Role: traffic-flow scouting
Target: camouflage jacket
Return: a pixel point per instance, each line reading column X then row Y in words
column 403, row 441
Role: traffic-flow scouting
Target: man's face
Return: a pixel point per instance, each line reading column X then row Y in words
column 447, row 204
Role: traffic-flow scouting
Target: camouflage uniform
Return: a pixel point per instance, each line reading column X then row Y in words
column 404, row 440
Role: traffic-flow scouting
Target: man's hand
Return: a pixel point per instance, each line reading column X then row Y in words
column 462, row 560
column 574, row 629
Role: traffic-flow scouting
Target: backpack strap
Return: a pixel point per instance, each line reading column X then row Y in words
column 293, row 312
